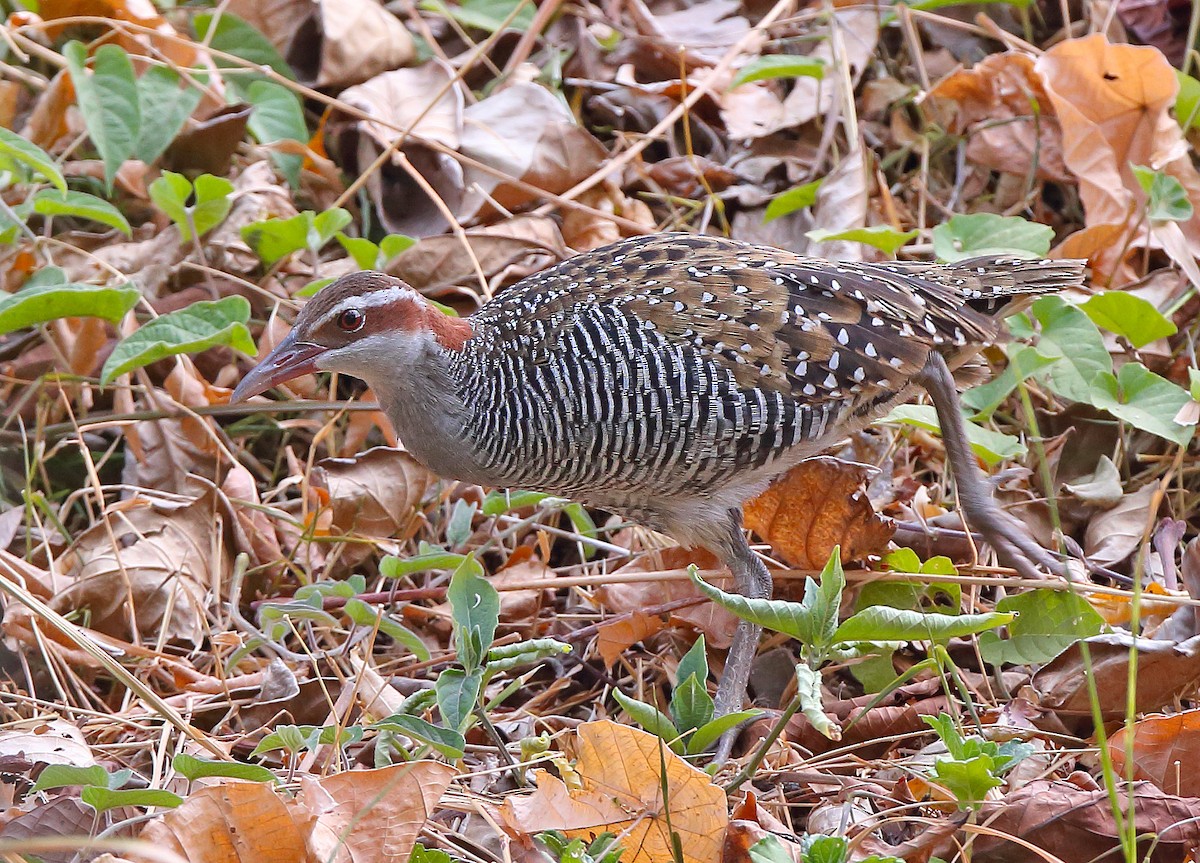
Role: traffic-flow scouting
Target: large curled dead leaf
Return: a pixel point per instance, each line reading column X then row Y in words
column 526, row 133
column 1113, row 103
column 1164, row 748
column 372, row 816
column 1077, row 825
column 147, row 568
column 333, row 43
column 1166, row 670
column 640, row 598
column 998, row 101
column 817, row 505
column 621, row 769
column 233, row 822
column 427, row 102
column 374, row 494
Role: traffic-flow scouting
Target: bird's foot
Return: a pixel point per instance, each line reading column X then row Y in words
column 1013, row 544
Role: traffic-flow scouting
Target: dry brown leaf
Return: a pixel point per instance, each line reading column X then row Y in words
column 45, row 741
column 510, row 250
column 372, row 816
column 163, row 555
column 715, row 622
column 234, row 822
column 1115, row 533
column 621, row 771
column 819, row 504
column 179, row 52
column 616, row 636
column 374, row 494
column 528, row 134
column 1002, row 109
column 841, row 205
column 583, row 231
column 754, row 111
column 1160, row 751
column 1077, row 825
column 333, row 43
column 1166, row 671
column 1113, row 102
column 425, row 101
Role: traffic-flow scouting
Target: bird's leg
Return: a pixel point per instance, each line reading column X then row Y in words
column 1003, row 532
column 753, row 580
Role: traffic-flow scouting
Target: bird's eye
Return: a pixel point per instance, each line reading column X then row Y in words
column 351, row 320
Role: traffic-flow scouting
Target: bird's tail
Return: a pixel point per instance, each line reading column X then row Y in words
column 1005, row 286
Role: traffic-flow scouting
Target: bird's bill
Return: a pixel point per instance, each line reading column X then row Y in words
column 289, row 360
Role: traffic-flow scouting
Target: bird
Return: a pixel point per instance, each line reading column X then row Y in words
column 668, row 378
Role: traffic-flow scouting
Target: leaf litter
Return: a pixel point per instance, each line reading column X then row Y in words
column 184, row 579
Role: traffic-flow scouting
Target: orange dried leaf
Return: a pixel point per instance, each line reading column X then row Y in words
column 819, row 504
column 374, row 815
column 233, row 821
column 625, row 632
column 1161, row 747
column 623, row 782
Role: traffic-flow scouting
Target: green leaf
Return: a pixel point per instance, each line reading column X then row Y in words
column 708, row 734
column 104, row 799
column 1069, row 336
column 1144, row 400
column 69, row 775
column 192, row 768
column 48, row 296
column 1130, row 316
column 808, row 691
column 446, row 741
column 969, row 236
column 229, row 33
column 427, row 557
column 278, row 116
column 475, row 607
column 81, row 205
column 691, row 705
column 421, row 854
column 779, row 66
column 395, row 244
column 14, row 148
column 969, row 781
column 164, row 109
column 1187, row 103
column 930, row 5
column 484, row 14
column 1023, row 363
column 778, row 615
column 326, row 225
column 108, row 101
column 274, row 239
column 196, row 328
column 991, row 446
column 694, row 663
column 289, row 738
column 457, row 694
column 1047, row 623
column 882, row 237
column 880, row 623
column 1167, row 200
column 209, row 197
column 792, row 200
column 370, row 616
column 651, row 719
column 366, row 254
column 769, row 850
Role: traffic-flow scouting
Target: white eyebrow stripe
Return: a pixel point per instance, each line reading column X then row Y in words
column 384, row 297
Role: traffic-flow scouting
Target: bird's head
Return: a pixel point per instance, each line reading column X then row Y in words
column 369, row 325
